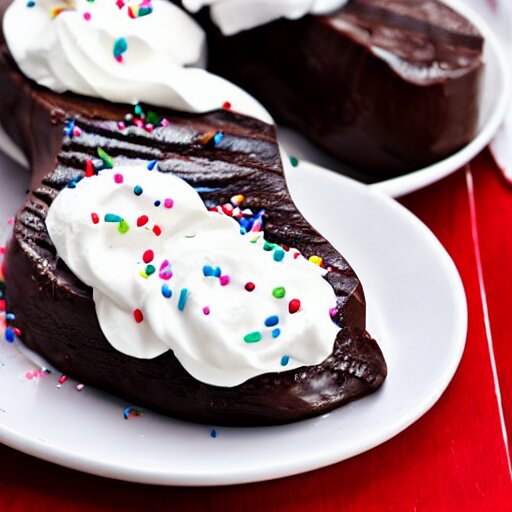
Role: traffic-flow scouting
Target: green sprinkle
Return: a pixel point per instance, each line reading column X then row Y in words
column 279, row 255
column 153, row 118
column 268, row 246
column 138, row 111
column 112, row 217
column 279, row 292
column 294, row 161
column 123, row 227
column 107, row 159
column 253, row 337
column 138, row 190
column 150, row 270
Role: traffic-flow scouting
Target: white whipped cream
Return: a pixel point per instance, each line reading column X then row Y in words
column 233, row 16
column 160, row 64
column 208, row 334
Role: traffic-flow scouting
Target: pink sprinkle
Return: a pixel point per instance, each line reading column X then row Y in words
column 165, row 271
column 87, row 16
column 224, row 280
column 16, row 331
column 169, row 203
column 206, row 310
column 76, row 131
column 138, row 122
column 149, row 127
column 10, row 221
column 2, row 250
column 120, row 3
column 333, row 311
column 80, row 387
column 119, row 59
column 29, row 375
column 121, row 125
column 118, row 178
column 63, row 379
column 165, row 122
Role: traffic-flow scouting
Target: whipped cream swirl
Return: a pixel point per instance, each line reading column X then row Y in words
column 233, row 16
column 167, row 274
column 124, row 52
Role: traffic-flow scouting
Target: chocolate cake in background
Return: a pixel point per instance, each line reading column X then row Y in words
column 55, row 311
column 387, row 86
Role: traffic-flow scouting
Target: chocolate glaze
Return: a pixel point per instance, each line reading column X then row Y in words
column 56, row 313
column 388, row 86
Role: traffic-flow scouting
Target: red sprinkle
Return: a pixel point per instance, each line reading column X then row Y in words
column 17, row 331
column 296, row 255
column 294, row 306
column 89, row 169
column 142, row 220
column 250, row 286
column 139, row 317
column 63, row 379
column 226, row 105
column 157, row 230
column 148, row 256
column 227, row 209
column 95, row 218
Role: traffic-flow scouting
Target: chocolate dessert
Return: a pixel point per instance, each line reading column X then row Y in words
column 55, row 311
column 387, row 86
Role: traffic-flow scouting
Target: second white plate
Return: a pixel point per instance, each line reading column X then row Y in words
column 416, row 309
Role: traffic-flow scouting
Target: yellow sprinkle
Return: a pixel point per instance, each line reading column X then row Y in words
column 316, row 260
column 143, row 274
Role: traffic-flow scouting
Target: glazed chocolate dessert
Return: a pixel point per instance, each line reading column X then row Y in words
column 55, row 311
column 387, row 86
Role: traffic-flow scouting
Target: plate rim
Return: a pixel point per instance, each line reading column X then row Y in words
column 279, row 469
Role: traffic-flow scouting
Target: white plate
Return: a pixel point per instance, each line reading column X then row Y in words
column 416, row 309
column 495, row 98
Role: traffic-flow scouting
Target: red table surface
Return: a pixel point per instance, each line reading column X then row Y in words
column 454, row 458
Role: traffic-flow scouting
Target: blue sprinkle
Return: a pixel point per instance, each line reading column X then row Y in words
column 31, row 3
column 271, row 321
column 120, row 46
column 279, row 255
column 10, row 317
column 68, row 130
column 151, row 165
column 217, row 138
column 9, row 335
column 276, row 333
column 285, row 360
column 243, row 231
column 200, row 190
column 182, row 302
column 72, row 184
column 166, row 291
column 209, row 271
column 138, row 190
column 126, row 412
column 158, row 203
column 110, row 217
column 213, row 433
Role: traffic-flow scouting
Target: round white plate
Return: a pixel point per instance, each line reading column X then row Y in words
column 416, row 309
column 496, row 93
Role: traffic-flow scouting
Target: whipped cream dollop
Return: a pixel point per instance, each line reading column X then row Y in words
column 168, row 274
column 121, row 51
column 233, row 16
